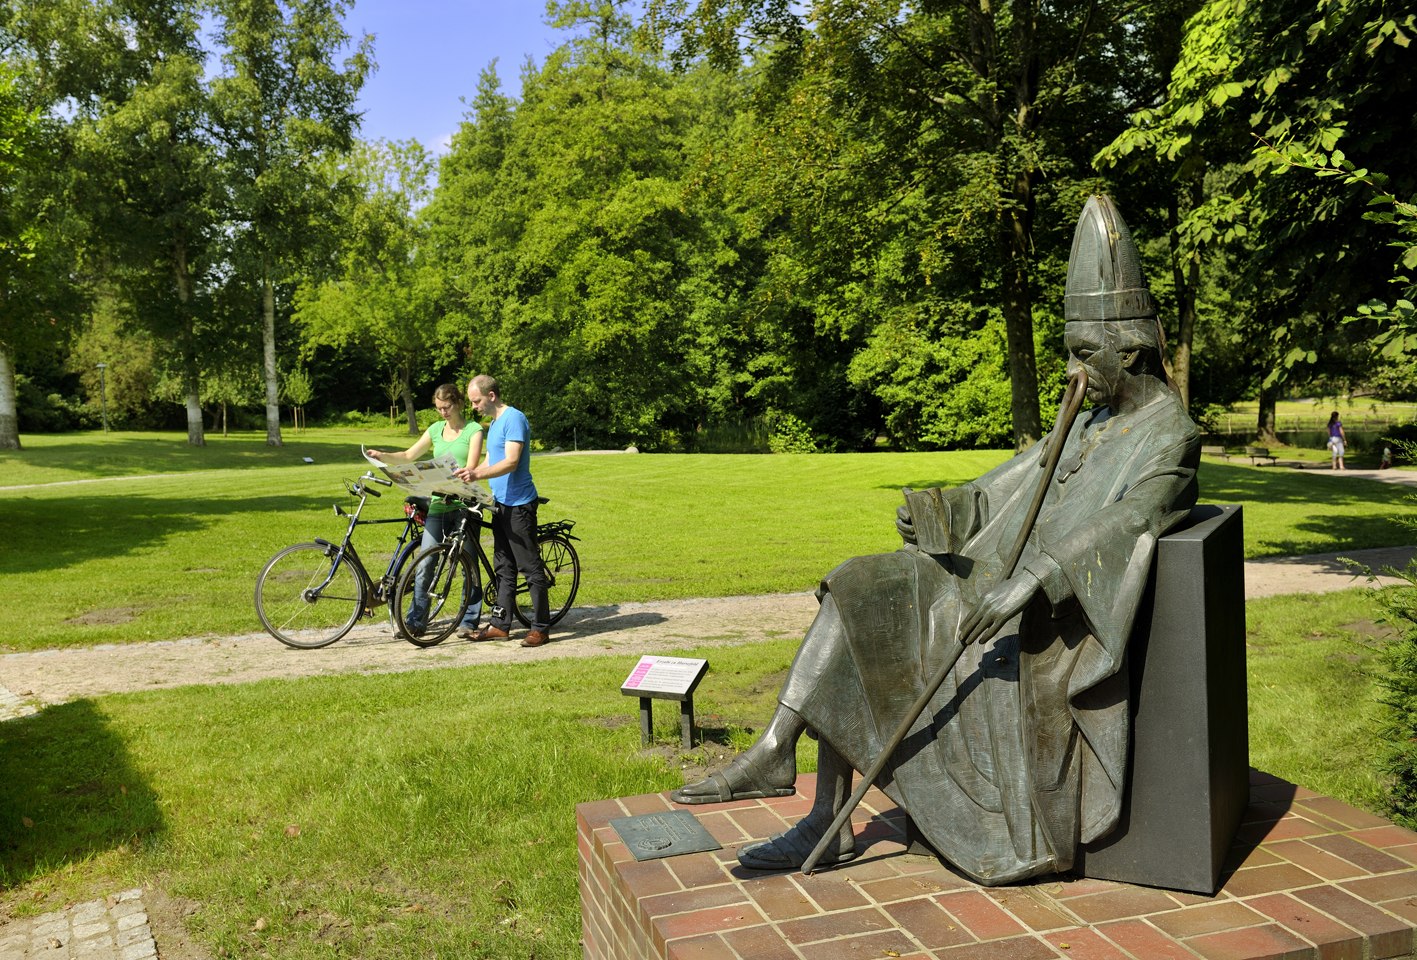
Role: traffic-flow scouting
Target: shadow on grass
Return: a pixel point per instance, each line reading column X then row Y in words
column 1221, row 483
column 1338, row 533
column 711, row 730
column 54, row 535
column 68, row 791
column 94, row 455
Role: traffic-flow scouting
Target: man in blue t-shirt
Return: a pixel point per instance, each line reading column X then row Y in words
column 507, row 471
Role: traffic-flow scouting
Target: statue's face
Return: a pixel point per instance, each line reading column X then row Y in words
column 1090, row 347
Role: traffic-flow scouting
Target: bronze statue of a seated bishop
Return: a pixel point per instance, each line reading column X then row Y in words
column 1020, row 754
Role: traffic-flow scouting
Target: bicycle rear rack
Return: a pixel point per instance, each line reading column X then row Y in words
column 556, row 526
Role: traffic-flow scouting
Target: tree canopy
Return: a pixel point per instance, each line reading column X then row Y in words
column 835, row 223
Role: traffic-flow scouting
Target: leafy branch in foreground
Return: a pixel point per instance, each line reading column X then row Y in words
column 1398, row 336
column 1398, row 681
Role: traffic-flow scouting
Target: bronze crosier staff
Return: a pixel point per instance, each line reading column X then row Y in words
column 1067, row 413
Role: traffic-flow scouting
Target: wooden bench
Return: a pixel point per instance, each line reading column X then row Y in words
column 1215, row 451
column 1259, row 454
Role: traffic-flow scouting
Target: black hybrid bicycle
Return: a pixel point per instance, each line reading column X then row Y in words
column 447, row 580
column 311, row 594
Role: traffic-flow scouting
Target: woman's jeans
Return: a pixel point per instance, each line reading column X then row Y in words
column 435, row 528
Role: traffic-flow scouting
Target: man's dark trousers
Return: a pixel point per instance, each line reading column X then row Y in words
column 513, row 549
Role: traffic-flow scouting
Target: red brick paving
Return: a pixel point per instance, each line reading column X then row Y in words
column 1311, row 879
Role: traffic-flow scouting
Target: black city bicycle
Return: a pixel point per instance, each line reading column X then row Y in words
column 445, row 579
column 311, row 594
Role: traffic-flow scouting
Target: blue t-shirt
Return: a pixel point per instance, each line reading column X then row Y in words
column 515, row 488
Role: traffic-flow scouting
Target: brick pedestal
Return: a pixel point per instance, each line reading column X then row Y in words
column 1307, row 877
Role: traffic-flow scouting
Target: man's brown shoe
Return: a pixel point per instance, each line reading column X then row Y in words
column 490, row 633
column 535, row 638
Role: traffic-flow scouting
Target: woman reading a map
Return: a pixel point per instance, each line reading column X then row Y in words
column 460, row 438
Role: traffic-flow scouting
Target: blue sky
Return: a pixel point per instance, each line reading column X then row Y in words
column 430, row 53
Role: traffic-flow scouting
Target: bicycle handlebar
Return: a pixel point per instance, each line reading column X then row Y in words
column 361, row 488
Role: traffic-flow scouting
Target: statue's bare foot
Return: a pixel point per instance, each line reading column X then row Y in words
column 759, row 773
column 788, row 851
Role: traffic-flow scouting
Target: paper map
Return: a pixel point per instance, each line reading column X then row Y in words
column 426, row 478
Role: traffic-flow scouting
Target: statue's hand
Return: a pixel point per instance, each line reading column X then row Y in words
column 904, row 525
column 998, row 607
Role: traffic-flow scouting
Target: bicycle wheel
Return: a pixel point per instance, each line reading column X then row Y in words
column 432, row 594
column 563, row 579
column 307, row 597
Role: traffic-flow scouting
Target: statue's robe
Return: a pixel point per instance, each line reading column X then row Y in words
column 1021, row 754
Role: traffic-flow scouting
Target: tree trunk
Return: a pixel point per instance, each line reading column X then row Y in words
column 9, row 407
column 409, row 410
column 191, row 375
column 192, row 388
column 1264, row 426
column 1016, row 217
column 1015, row 233
column 1186, row 274
column 268, row 343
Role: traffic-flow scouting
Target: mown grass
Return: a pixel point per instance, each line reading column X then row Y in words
column 420, row 814
column 176, row 555
column 1321, row 407
column 432, row 813
column 84, row 455
column 1314, row 699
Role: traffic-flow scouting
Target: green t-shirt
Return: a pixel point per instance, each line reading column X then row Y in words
column 457, row 447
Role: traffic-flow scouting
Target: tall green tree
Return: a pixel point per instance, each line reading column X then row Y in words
column 126, row 386
column 17, row 244
column 1269, row 90
column 573, row 253
column 282, row 102
column 46, row 78
column 383, row 295
column 957, row 132
column 152, row 192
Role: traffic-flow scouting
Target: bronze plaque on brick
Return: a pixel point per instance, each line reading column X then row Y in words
column 651, row 836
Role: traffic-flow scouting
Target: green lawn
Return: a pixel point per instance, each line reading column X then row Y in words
column 431, row 813
column 142, row 557
column 1349, row 408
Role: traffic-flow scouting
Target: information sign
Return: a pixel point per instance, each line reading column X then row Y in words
column 671, row 678
column 665, row 678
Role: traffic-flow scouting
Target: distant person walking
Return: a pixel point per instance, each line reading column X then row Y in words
column 1336, row 441
column 508, row 472
column 453, row 435
column 1386, row 461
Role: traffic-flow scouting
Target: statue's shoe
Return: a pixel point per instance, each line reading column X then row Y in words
column 742, row 779
column 788, row 851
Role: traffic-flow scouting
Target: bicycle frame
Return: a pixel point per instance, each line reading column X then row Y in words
column 376, row 594
column 477, row 515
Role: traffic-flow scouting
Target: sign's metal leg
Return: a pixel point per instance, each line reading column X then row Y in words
column 646, row 721
column 686, row 722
